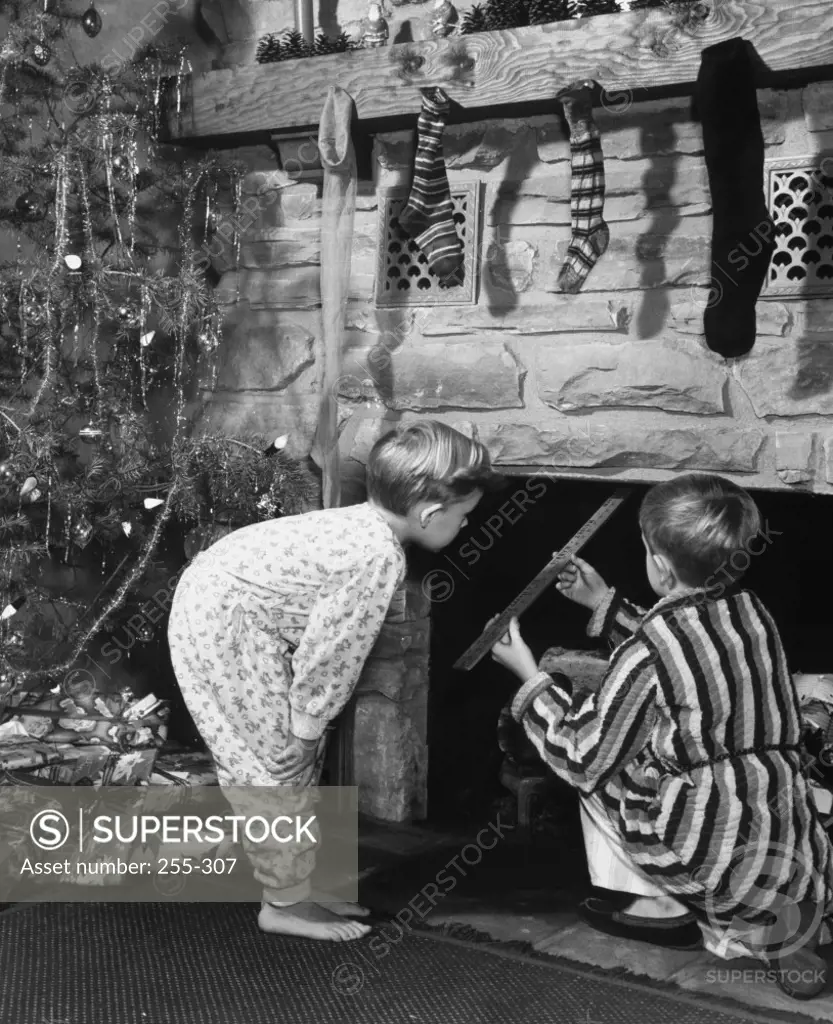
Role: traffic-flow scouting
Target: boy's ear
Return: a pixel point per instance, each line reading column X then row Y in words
column 427, row 514
column 664, row 568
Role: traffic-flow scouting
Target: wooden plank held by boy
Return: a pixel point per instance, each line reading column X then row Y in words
column 533, row 590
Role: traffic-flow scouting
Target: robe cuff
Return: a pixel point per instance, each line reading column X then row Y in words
column 531, row 689
column 603, row 615
column 306, row 727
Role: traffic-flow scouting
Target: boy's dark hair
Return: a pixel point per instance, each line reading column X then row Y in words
column 699, row 521
column 427, row 461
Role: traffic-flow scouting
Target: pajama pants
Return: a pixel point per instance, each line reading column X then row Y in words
column 235, row 675
column 611, row 868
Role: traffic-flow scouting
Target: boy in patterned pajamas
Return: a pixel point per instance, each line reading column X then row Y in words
column 687, row 759
column 270, row 628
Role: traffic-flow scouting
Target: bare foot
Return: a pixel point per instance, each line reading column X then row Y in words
column 310, row 921
column 344, row 908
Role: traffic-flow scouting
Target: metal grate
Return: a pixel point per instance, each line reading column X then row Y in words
column 800, row 201
column 403, row 277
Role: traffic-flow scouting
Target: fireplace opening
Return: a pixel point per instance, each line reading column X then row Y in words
column 497, row 554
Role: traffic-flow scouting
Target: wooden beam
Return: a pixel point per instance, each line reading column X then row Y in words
column 632, row 51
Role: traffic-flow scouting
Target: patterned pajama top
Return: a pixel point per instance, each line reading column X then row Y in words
column 691, row 743
column 313, row 589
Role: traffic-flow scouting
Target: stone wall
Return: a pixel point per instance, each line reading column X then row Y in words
column 615, row 381
column 390, row 735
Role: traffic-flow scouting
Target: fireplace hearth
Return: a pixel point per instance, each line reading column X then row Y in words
column 508, row 540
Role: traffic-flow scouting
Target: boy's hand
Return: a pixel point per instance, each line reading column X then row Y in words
column 580, row 582
column 511, row 652
column 297, row 757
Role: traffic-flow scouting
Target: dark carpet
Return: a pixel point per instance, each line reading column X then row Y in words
column 74, row 963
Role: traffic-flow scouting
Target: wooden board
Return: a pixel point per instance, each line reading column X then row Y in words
column 622, row 52
column 493, row 632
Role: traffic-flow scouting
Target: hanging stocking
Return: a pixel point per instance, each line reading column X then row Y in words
column 428, row 216
column 337, row 215
column 742, row 232
column 590, row 236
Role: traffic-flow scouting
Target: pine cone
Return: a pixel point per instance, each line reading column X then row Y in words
column 269, row 49
column 324, row 45
column 294, row 46
column 542, row 12
column 343, row 42
column 503, row 14
column 474, row 20
column 590, row 8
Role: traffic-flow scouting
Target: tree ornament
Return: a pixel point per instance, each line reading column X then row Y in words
column 121, row 165
column 82, row 532
column 73, row 262
column 29, row 487
column 30, row 205
column 444, row 19
column 41, row 54
column 144, row 633
column 276, row 446
column 207, row 340
column 91, row 22
column 91, row 433
column 375, row 30
column 128, row 315
column 6, row 472
column 13, row 607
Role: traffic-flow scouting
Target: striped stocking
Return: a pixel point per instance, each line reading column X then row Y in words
column 428, row 216
column 587, row 193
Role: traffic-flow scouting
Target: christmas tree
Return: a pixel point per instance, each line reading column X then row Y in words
column 109, row 328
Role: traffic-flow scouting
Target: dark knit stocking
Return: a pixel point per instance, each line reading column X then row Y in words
column 742, row 232
column 428, row 216
column 590, row 236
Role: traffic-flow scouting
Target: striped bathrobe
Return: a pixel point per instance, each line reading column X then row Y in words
column 692, row 745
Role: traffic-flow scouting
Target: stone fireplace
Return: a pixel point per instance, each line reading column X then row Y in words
column 610, row 386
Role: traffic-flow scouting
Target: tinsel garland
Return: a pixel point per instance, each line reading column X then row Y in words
column 89, row 326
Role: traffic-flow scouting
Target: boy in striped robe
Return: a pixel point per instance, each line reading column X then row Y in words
column 687, row 758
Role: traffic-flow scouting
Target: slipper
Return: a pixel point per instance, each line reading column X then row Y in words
column 673, row 933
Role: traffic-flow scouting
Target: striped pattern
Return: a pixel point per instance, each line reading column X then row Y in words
column 693, row 679
column 590, row 233
column 428, row 216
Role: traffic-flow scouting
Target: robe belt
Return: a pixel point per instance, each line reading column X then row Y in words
column 731, row 755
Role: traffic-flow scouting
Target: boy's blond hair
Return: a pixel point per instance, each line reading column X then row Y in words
column 427, row 461
column 699, row 522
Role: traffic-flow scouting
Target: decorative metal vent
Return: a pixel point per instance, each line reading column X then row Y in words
column 800, row 200
column 403, row 277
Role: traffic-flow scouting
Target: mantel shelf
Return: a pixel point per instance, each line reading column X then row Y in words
column 633, row 51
